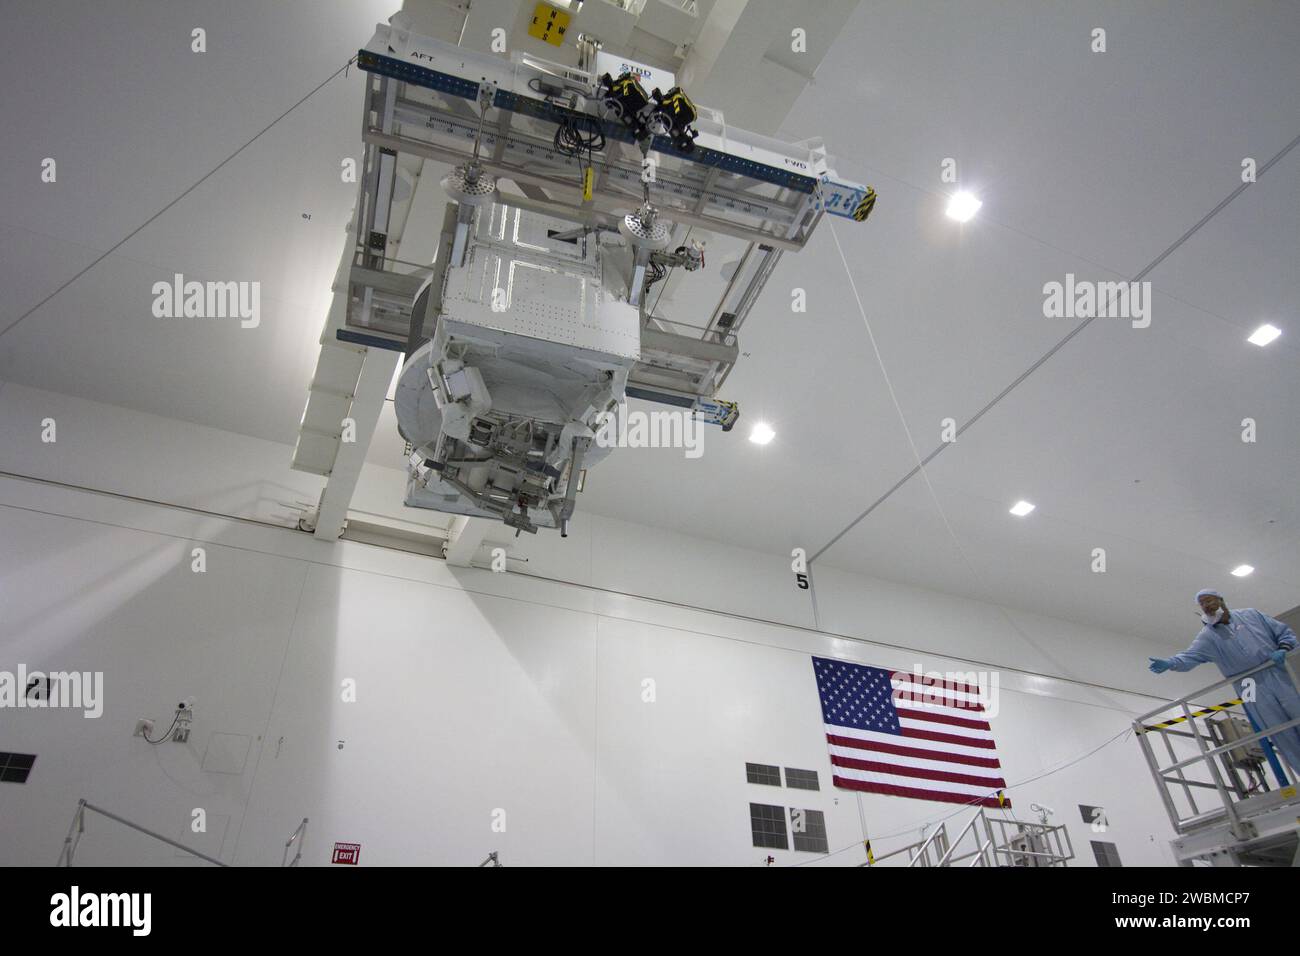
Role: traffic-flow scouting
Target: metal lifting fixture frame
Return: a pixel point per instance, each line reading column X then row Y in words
column 421, row 101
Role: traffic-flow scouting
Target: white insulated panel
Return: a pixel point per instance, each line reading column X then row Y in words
column 543, row 288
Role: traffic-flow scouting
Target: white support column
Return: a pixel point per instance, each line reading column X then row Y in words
column 464, row 536
column 367, row 402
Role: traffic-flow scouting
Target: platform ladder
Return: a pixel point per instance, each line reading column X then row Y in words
column 986, row 840
column 1243, row 818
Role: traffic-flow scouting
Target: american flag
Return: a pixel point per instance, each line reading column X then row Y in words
column 893, row 732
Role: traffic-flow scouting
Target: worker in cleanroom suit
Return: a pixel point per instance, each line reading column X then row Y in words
column 1238, row 640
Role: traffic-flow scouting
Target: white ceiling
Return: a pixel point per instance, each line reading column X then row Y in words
column 1087, row 163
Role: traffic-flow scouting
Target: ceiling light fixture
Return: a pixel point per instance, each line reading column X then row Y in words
column 1264, row 334
column 1021, row 508
column 1241, row 570
column 962, row 206
column 761, row 434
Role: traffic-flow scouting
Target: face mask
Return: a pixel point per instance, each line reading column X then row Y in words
column 1212, row 618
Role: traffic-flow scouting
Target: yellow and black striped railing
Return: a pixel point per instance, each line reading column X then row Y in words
column 1203, row 712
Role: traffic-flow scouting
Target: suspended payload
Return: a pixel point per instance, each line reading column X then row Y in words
column 570, row 194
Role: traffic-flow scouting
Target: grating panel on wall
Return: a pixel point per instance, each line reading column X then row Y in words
column 14, row 768
column 801, row 779
column 768, row 826
column 809, row 829
column 1107, row 853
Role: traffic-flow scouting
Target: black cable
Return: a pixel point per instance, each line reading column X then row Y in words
column 164, row 737
column 571, row 140
column 1150, row 266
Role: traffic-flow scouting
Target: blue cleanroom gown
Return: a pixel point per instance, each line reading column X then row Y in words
column 1244, row 642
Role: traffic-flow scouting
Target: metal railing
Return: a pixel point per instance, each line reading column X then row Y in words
column 78, row 827
column 936, row 843
column 1214, row 751
column 1000, row 841
column 992, row 842
column 297, row 836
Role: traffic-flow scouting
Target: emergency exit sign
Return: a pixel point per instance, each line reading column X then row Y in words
column 346, row 853
column 549, row 23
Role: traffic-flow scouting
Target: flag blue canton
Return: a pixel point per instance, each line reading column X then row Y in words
column 854, row 695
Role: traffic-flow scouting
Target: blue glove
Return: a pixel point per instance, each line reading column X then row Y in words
column 1278, row 657
column 1159, row 665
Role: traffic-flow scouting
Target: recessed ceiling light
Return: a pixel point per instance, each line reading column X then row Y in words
column 1264, row 334
column 761, row 434
column 1021, row 508
column 1241, row 570
column 962, row 206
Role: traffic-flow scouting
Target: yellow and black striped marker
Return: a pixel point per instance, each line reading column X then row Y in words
column 1196, row 713
column 871, row 857
column 683, row 110
column 865, row 205
column 629, row 85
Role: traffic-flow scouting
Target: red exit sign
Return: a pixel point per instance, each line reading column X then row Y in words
column 346, row 853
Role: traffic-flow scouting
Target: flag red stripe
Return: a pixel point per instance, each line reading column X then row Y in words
column 941, row 755
column 938, row 718
column 905, row 698
column 898, row 770
column 948, row 738
column 942, row 796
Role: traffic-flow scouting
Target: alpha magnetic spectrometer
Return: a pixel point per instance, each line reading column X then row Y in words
column 572, row 192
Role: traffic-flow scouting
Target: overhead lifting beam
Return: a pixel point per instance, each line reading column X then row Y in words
column 464, row 537
column 367, row 402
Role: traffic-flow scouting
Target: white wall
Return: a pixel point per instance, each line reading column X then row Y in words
column 162, row 459
column 476, row 692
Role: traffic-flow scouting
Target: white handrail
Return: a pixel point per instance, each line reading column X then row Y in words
column 297, row 835
column 79, row 827
column 979, row 813
column 928, row 840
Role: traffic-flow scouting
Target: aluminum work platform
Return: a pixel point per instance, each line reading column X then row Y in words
column 1249, row 814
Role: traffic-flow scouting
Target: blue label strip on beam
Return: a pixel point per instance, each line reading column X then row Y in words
column 369, row 341
column 467, row 89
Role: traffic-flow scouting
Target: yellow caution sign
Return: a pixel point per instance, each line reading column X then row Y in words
column 549, row 23
column 1002, row 799
column 1226, row 705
